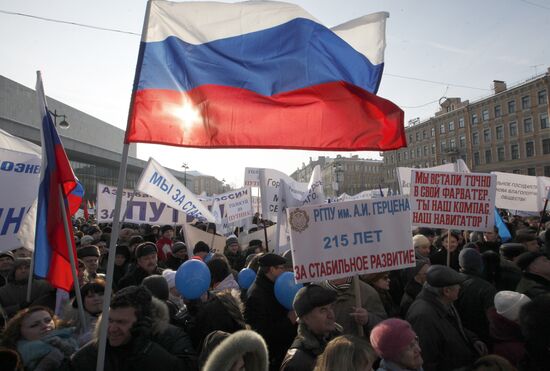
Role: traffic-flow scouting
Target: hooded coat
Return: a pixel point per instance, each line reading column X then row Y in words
column 246, row 344
column 168, row 348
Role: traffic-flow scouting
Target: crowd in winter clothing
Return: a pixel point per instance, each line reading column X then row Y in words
column 471, row 302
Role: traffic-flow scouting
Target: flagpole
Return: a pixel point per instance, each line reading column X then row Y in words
column 71, row 255
column 29, row 282
column 102, row 343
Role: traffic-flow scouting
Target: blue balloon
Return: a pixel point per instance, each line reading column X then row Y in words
column 192, row 279
column 286, row 289
column 245, row 278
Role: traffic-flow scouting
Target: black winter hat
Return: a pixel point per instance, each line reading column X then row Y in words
column 512, row 249
column 145, row 248
column 166, row 227
column 90, row 250
column 443, row 276
column 271, row 260
column 158, row 286
column 312, row 296
column 525, row 259
column 178, row 246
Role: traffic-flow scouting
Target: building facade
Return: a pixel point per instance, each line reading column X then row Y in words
column 508, row 131
column 342, row 174
column 93, row 146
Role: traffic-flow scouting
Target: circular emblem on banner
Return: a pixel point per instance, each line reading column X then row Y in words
column 299, row 220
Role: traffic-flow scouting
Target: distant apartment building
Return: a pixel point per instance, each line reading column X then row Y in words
column 508, row 131
column 342, row 174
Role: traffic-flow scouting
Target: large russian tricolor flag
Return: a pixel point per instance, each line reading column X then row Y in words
column 51, row 253
column 261, row 74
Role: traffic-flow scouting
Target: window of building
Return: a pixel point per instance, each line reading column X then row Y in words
column 405, row 155
column 424, row 135
column 485, row 115
column 417, row 136
column 513, row 129
column 433, row 149
column 487, row 135
column 544, row 124
column 399, row 157
column 417, row 152
column 530, row 149
column 514, row 151
column 542, row 97
column 488, row 156
column 461, row 122
column 475, row 137
column 525, row 102
column 474, row 118
column 411, row 154
column 498, row 112
column 443, row 146
column 547, row 171
column 546, row 146
column 512, row 106
column 528, row 125
column 452, row 143
column 410, row 138
column 500, row 132
column 442, row 129
column 425, row 150
column 462, row 141
column 451, row 126
column 516, row 171
column 531, row 171
column 391, row 159
column 500, row 153
column 476, row 158
column 432, row 132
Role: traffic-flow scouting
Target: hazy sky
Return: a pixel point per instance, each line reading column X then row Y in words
column 461, row 45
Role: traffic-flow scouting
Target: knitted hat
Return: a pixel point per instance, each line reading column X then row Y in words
column 170, row 277
column 231, row 240
column 312, row 296
column 166, row 227
column 508, row 304
column 470, row 260
column 146, row 248
column 420, row 240
column 201, row 246
column 390, row 337
column 178, row 246
column 158, row 286
column 90, row 250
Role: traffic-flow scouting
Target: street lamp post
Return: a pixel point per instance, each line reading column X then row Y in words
column 185, row 167
column 337, row 172
column 63, row 124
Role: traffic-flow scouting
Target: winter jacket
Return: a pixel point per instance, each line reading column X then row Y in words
column 412, row 289
column 532, row 285
column 33, row 352
column 509, row 276
column 303, row 353
column 444, row 342
column 135, row 276
column 475, row 298
column 13, row 296
column 82, row 334
column 440, row 257
column 506, row 337
column 346, row 300
column 390, row 366
column 269, row 318
column 246, row 344
column 164, row 248
column 172, row 262
column 236, row 261
column 166, row 348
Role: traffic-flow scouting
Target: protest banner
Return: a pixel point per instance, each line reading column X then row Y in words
column 159, row 183
column 517, row 192
column 245, row 238
column 193, row 235
column 251, row 177
column 142, row 208
column 270, row 181
column 453, row 200
column 19, row 179
column 344, row 239
column 404, row 173
column 543, row 184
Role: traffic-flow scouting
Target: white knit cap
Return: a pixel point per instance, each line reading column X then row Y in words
column 508, row 304
column 170, row 277
column 420, row 240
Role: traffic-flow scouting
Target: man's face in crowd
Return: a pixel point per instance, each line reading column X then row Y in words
column 234, row 247
column 148, row 262
column 451, row 292
column 93, row 302
column 6, row 263
column 120, row 259
column 410, row 358
column 181, row 254
column 490, row 236
column 275, row 272
column 532, row 246
column 22, row 272
column 321, row 320
column 91, row 263
column 121, row 321
column 168, row 234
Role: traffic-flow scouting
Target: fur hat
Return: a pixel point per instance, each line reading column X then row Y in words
column 509, row 303
column 86, row 240
column 247, row 344
column 90, row 250
column 145, row 248
column 390, row 337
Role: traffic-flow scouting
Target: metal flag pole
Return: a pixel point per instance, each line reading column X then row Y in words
column 31, row 274
column 102, row 344
column 71, row 256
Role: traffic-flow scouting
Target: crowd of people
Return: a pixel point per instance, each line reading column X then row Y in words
column 471, row 302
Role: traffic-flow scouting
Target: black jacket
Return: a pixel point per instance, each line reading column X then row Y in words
column 445, row 344
column 135, row 277
column 474, row 300
column 236, row 261
column 533, row 285
column 270, row 319
column 412, row 289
